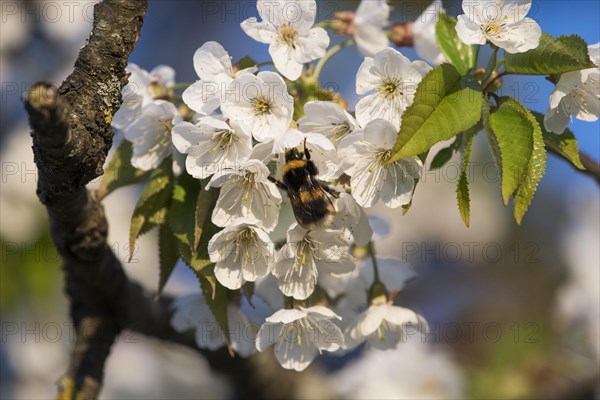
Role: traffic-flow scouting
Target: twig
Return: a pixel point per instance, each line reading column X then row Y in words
column 592, row 167
column 330, row 53
column 494, row 79
column 71, row 137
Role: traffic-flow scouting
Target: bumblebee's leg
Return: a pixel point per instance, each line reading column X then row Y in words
column 278, row 183
column 330, row 190
column 306, row 152
column 310, row 165
column 312, row 168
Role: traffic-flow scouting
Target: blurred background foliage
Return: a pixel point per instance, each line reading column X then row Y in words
column 539, row 299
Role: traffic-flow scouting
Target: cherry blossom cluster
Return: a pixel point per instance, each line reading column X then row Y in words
column 505, row 24
column 235, row 138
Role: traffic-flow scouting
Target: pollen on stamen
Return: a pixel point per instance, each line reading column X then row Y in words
column 261, row 106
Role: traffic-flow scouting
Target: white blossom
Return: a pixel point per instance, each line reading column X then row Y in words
column 577, row 93
column 213, row 66
column 307, row 255
column 192, row 313
column 286, row 27
column 501, row 22
column 427, row 372
column 394, row 272
column 246, row 192
column 369, row 20
column 424, row 34
column 242, row 253
column 364, row 155
column 141, row 90
column 150, row 134
column 299, row 334
column 381, row 325
column 352, row 217
column 211, row 144
column 394, row 79
column 327, row 118
column 261, row 104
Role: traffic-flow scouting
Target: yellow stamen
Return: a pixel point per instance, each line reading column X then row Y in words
column 261, row 106
column 288, row 35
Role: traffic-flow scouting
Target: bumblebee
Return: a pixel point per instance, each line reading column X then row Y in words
column 308, row 195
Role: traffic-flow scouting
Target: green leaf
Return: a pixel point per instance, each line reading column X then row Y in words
column 247, row 291
column 564, row 144
column 168, row 256
column 183, row 208
column 406, row 207
column 514, row 134
column 216, row 298
column 552, row 56
column 203, row 225
column 462, row 188
column 120, row 172
column 189, row 219
column 444, row 106
column 459, row 54
column 153, row 204
column 535, row 171
column 493, row 143
column 246, row 62
column 491, row 65
column 442, row 157
column 196, row 262
column 445, row 154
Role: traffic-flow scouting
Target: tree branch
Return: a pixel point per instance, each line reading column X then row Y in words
column 71, row 137
column 592, row 167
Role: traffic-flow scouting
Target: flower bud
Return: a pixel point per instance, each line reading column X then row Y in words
column 343, row 24
column 378, row 294
column 402, row 34
column 159, row 92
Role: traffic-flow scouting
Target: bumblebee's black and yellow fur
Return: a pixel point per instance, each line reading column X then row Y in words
column 312, row 207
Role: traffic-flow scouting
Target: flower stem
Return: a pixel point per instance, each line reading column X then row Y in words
column 377, row 293
column 322, row 24
column 371, row 250
column 262, row 64
column 180, row 85
column 489, row 83
column 477, row 48
column 491, row 66
column 335, row 49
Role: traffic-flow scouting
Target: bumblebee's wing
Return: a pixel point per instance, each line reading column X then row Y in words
column 311, row 205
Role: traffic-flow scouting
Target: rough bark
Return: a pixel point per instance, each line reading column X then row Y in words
column 71, row 137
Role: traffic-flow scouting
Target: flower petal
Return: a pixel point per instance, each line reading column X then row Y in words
column 366, row 78
column 296, row 352
column 519, row 37
column 311, row 47
column 397, row 188
column 202, row 97
column 285, row 60
column 401, row 316
column 285, row 316
column 468, row 31
column 211, row 60
column 263, row 32
column 268, row 335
